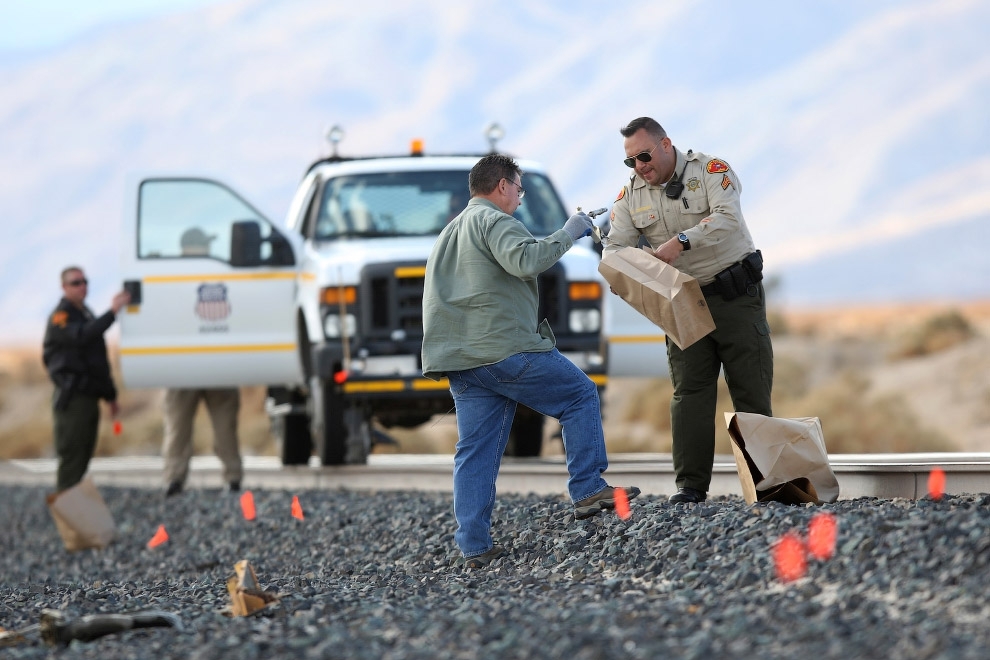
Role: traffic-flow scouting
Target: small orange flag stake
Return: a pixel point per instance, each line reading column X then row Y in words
column 936, row 483
column 297, row 508
column 117, row 427
column 160, row 537
column 821, row 535
column 247, row 505
column 621, row 503
column 789, row 557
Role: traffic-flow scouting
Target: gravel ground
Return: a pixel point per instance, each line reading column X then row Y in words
column 378, row 576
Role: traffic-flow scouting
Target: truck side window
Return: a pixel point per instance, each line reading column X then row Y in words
column 190, row 219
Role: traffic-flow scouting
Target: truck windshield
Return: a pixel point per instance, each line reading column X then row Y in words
column 420, row 204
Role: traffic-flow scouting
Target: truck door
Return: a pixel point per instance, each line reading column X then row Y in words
column 636, row 347
column 213, row 286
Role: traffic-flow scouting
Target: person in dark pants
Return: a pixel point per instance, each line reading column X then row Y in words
column 686, row 205
column 75, row 355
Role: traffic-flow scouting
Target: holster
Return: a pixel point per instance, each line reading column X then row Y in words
column 64, row 387
column 741, row 277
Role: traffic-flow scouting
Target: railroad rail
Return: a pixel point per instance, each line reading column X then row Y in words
column 884, row 476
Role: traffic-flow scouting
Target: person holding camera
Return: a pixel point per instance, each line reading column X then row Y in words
column 686, row 207
column 75, row 355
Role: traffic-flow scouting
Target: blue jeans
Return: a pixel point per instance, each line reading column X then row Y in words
column 485, row 399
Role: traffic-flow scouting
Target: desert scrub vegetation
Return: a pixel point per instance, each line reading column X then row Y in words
column 936, row 333
column 853, row 420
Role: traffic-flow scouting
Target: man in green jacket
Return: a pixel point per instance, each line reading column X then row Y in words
column 481, row 331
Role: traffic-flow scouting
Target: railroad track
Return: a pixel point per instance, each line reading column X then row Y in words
column 860, row 475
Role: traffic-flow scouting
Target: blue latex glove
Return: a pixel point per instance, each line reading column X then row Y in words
column 578, row 226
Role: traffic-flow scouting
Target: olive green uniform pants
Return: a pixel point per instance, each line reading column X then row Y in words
column 75, row 429
column 739, row 345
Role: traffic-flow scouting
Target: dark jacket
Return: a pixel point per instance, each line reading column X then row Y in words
column 75, row 353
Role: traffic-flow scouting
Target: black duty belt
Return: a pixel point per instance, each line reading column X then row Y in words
column 710, row 289
column 738, row 279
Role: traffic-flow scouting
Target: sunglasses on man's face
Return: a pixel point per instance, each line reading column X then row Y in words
column 78, row 282
column 643, row 156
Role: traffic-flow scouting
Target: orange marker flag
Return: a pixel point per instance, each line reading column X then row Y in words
column 936, row 483
column 297, row 508
column 621, row 503
column 160, row 537
column 821, row 535
column 247, row 505
column 117, row 427
column 789, row 557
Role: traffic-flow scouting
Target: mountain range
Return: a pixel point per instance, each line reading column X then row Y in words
column 858, row 130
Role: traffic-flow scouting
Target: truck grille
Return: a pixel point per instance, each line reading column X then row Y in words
column 392, row 299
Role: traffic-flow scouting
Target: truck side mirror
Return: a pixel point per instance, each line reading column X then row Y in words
column 245, row 243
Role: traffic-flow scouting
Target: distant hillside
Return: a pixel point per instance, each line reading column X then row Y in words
column 858, row 129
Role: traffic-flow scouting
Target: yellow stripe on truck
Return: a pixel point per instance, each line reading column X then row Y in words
column 185, row 350
column 218, row 277
column 410, row 271
column 635, row 339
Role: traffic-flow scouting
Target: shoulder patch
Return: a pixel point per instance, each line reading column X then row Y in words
column 726, row 182
column 716, row 166
column 60, row 318
column 622, row 193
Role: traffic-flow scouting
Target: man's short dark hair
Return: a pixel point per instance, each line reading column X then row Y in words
column 67, row 270
column 488, row 171
column 651, row 125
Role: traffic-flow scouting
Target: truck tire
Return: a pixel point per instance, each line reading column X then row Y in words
column 342, row 431
column 294, row 439
column 291, row 429
column 526, row 434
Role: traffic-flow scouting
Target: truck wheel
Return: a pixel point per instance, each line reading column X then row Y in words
column 291, row 429
column 293, row 434
column 358, row 426
column 342, row 430
column 526, row 434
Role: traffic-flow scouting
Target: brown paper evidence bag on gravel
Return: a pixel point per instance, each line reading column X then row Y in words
column 783, row 460
column 669, row 298
column 81, row 516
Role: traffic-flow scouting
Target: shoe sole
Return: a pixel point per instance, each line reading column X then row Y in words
column 596, row 507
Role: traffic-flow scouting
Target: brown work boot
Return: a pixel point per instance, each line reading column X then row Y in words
column 604, row 499
column 482, row 560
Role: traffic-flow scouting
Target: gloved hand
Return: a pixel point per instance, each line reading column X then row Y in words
column 578, row 226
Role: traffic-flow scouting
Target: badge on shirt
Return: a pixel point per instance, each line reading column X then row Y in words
column 60, row 319
column 716, row 166
column 622, row 193
column 693, row 183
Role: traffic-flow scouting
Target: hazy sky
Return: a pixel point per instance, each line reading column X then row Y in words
column 32, row 25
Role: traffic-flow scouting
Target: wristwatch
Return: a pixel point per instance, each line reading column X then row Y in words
column 685, row 243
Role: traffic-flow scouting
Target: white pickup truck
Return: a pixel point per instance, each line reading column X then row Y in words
column 326, row 310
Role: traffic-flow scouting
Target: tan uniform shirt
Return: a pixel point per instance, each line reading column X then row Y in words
column 708, row 212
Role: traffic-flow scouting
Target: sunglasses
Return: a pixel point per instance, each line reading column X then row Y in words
column 643, row 156
column 521, row 191
column 78, row 282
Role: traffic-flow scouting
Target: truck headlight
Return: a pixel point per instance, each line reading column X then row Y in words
column 332, row 325
column 584, row 320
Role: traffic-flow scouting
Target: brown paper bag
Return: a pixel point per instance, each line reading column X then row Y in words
column 783, row 460
column 246, row 597
column 81, row 516
column 660, row 292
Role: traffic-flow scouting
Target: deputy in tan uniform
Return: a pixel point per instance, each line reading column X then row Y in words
column 686, row 206
column 223, row 404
